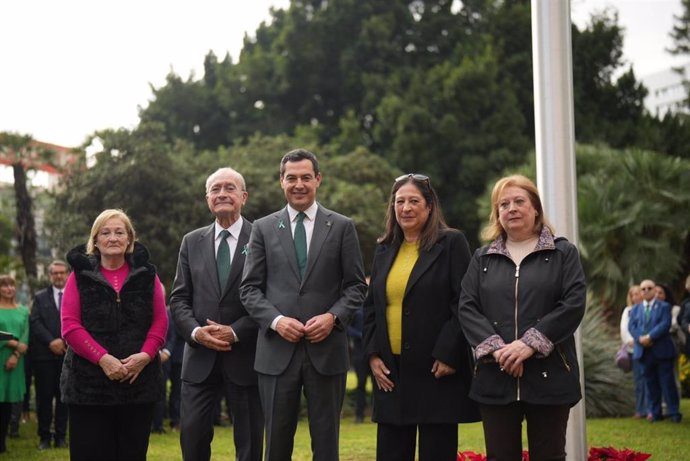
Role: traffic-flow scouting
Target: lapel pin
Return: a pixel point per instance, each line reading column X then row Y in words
column 328, row 224
column 281, row 224
column 245, row 249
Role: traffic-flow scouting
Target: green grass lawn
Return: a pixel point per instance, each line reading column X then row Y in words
column 664, row 440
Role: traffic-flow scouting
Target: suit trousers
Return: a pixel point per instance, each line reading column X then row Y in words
column 280, row 398
column 47, row 380
column 546, row 431
column 658, row 376
column 109, row 432
column 197, row 410
column 437, row 442
column 641, row 406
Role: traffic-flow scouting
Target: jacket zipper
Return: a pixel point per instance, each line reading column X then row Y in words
column 565, row 362
column 517, row 283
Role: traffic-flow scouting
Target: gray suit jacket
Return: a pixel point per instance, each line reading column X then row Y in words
column 196, row 297
column 333, row 282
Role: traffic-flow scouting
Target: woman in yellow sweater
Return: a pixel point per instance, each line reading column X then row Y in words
column 417, row 352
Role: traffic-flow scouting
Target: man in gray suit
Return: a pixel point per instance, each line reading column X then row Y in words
column 303, row 281
column 220, row 336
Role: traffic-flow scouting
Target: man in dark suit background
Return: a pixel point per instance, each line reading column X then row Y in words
column 220, row 335
column 303, row 280
column 48, row 351
column 649, row 326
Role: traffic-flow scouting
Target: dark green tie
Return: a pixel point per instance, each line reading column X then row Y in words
column 301, row 244
column 223, row 259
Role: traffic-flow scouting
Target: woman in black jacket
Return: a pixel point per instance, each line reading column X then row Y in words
column 417, row 353
column 522, row 299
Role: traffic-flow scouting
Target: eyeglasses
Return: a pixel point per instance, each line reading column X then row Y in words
column 646, row 288
column 415, row 176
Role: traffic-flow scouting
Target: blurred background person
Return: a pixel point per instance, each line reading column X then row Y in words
column 650, row 324
column 417, row 352
column 114, row 322
column 175, row 345
column 522, row 299
column 359, row 361
column 685, row 317
column 164, row 354
column 14, row 319
column 664, row 293
column 634, row 297
column 47, row 353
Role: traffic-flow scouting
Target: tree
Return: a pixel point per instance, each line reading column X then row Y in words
column 23, row 154
column 154, row 182
column 632, row 209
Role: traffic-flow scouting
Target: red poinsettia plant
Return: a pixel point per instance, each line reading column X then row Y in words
column 611, row 454
column 595, row 454
column 472, row 456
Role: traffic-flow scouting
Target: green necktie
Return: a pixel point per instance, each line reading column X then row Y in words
column 223, row 259
column 301, row 244
column 647, row 313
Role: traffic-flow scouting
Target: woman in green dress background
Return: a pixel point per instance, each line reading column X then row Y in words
column 14, row 319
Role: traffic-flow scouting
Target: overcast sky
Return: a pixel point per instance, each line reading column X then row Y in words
column 70, row 67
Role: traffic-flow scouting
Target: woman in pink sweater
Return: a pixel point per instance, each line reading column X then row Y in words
column 114, row 321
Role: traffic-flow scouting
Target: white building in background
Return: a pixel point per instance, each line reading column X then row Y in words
column 666, row 91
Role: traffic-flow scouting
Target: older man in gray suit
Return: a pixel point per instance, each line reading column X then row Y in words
column 303, row 280
column 220, row 335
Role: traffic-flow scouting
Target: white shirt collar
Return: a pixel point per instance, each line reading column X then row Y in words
column 234, row 229
column 310, row 212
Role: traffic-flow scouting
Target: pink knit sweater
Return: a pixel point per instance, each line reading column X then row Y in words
column 82, row 342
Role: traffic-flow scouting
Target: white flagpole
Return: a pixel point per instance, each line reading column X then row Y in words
column 555, row 146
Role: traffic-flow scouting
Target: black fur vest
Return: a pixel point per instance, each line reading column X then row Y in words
column 120, row 324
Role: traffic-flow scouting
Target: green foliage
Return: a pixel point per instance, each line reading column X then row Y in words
column 161, row 187
column 429, row 88
column 608, row 391
column 632, row 207
column 138, row 173
column 680, row 34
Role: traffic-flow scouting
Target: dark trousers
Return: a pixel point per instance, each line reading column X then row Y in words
column 159, row 407
column 641, row 406
column 109, row 432
column 47, row 380
column 280, row 398
column 5, row 415
column 361, row 365
column 198, row 405
column 437, row 442
column 175, row 393
column 546, row 429
column 658, row 376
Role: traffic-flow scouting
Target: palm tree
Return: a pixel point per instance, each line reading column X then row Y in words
column 633, row 218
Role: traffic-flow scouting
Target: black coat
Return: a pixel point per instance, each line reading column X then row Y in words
column 430, row 331
column 45, row 326
column 551, row 295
